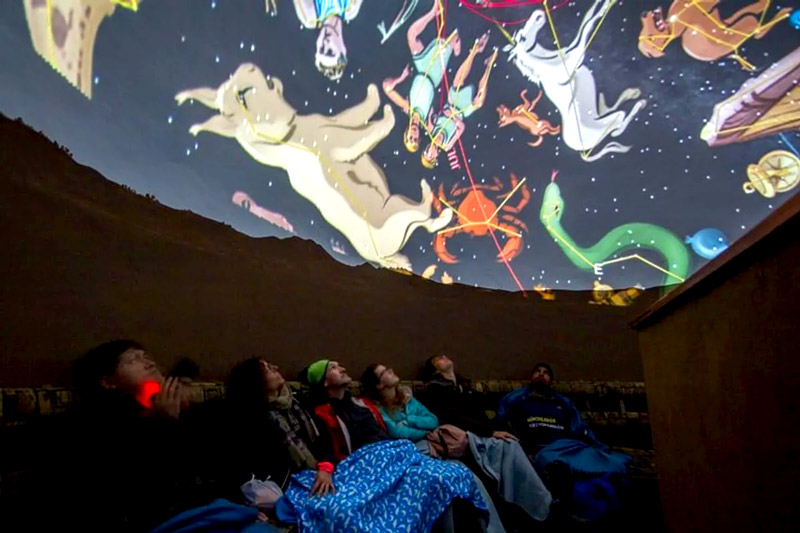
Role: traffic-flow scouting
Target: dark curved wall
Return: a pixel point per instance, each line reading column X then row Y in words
column 88, row 260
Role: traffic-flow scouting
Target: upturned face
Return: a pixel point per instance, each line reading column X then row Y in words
column 411, row 137
column 273, row 380
column 134, row 368
column 336, row 375
column 430, row 157
column 442, row 363
column 386, row 377
column 541, row 375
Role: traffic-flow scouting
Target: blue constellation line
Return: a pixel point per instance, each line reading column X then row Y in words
column 789, row 144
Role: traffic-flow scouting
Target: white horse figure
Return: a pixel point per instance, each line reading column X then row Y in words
column 586, row 120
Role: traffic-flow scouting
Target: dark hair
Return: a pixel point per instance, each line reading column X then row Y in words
column 369, row 383
column 369, row 388
column 544, row 365
column 314, row 394
column 430, row 370
column 302, row 377
column 99, row 362
column 246, row 387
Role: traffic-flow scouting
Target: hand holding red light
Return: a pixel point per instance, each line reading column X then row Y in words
column 167, row 402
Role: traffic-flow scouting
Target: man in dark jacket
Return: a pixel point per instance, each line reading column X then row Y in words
column 453, row 400
column 130, row 461
column 561, row 446
column 541, row 416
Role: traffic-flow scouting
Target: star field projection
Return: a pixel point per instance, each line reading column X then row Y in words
column 669, row 177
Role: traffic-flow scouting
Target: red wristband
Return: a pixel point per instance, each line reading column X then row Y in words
column 325, row 467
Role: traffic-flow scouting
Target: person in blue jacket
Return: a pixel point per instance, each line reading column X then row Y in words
column 501, row 461
column 554, row 435
column 539, row 416
column 405, row 417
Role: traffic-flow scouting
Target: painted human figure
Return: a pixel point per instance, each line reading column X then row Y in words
column 328, row 16
column 461, row 103
column 430, row 63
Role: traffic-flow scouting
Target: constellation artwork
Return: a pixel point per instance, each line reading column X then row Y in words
column 329, row 17
column 570, row 85
column 764, row 105
column 704, row 34
column 64, row 33
column 243, row 199
column 405, row 12
column 422, row 135
column 524, row 116
column 617, row 241
column 473, row 203
column 326, row 159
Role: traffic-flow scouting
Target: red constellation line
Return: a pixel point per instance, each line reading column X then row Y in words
column 475, row 8
column 472, row 180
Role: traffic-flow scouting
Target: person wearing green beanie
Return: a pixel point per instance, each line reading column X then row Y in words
column 315, row 372
column 352, row 422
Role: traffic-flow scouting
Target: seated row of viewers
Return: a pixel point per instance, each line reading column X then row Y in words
column 135, row 455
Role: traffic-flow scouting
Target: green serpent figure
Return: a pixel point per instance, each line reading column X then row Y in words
column 625, row 237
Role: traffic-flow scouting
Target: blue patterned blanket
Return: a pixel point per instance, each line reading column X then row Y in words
column 383, row 487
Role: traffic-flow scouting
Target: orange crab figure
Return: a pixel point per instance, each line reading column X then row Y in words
column 477, row 214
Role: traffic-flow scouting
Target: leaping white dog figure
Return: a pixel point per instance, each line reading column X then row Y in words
column 586, row 120
column 326, row 158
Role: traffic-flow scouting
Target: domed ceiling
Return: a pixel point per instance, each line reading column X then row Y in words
column 511, row 144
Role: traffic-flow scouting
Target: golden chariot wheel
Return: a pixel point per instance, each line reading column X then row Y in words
column 778, row 171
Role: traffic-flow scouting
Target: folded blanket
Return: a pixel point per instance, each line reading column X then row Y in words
column 383, row 487
column 582, row 458
column 517, row 481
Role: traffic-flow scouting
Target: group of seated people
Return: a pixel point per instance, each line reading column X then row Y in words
column 136, row 455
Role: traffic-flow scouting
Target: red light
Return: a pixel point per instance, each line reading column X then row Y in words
column 146, row 392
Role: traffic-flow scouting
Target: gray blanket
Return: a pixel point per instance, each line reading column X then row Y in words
column 517, row 481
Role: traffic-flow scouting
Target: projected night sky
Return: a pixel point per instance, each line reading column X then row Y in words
column 507, row 144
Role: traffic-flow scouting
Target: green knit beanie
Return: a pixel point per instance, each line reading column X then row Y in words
column 316, row 372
